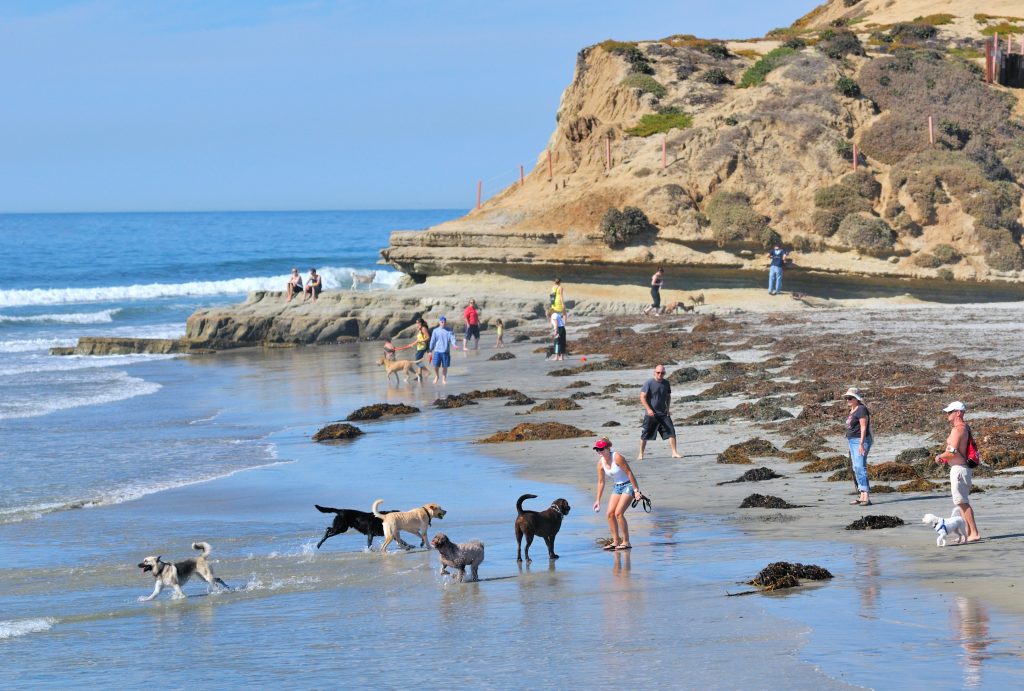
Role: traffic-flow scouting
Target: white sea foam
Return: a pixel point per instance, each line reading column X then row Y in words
column 22, row 627
column 28, row 345
column 37, row 364
column 333, row 278
column 118, row 387
column 101, row 317
column 16, row 514
column 256, row 583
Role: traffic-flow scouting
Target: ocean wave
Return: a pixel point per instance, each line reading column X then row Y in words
column 334, row 278
column 16, row 514
column 44, row 363
column 118, row 387
column 101, row 317
column 27, row 345
column 22, row 627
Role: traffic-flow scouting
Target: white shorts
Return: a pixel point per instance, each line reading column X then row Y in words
column 960, row 484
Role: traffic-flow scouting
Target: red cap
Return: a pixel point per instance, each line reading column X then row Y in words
column 602, row 444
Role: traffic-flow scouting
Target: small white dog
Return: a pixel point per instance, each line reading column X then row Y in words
column 944, row 526
column 176, row 574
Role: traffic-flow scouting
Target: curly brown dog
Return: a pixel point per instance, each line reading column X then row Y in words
column 544, row 523
column 460, row 556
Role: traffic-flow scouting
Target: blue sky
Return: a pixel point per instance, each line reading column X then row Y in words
column 151, row 105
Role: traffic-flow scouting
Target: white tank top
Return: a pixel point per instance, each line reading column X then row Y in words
column 617, row 474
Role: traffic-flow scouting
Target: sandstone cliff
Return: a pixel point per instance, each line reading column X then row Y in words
column 727, row 146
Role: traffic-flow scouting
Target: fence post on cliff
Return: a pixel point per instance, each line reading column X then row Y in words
column 931, row 131
column 522, row 178
column 855, row 156
column 608, row 152
column 479, row 192
column 549, row 166
column 988, row 62
column 664, row 151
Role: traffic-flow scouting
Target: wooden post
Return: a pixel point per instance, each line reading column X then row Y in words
column 664, row 151
column 931, row 131
column 608, row 152
column 855, row 156
column 549, row 165
column 522, row 178
column 479, row 192
column 988, row 62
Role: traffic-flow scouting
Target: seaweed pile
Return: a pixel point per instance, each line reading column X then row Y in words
column 537, row 431
column 504, row 355
column 555, row 404
column 754, row 475
column 337, row 431
column 379, row 410
column 875, row 523
column 766, row 501
column 783, row 574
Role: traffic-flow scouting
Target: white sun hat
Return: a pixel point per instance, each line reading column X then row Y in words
column 955, row 405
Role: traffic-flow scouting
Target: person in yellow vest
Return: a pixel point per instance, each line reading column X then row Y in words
column 558, row 298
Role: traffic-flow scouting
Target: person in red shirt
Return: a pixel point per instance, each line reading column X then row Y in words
column 472, row 318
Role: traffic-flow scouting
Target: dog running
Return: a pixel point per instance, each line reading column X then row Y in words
column 671, row 307
column 360, row 521
column 697, row 299
column 393, row 367
column 412, row 521
column 544, row 523
column 176, row 574
column 954, row 525
column 459, row 556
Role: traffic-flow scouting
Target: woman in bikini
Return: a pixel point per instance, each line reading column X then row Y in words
column 612, row 464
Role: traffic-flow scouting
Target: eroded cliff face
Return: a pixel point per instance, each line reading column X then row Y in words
column 774, row 145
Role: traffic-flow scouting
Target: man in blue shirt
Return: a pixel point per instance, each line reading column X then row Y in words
column 441, row 341
column 778, row 257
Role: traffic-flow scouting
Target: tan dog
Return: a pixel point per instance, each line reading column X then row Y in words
column 673, row 306
column 365, row 279
column 697, row 299
column 413, row 521
column 396, row 366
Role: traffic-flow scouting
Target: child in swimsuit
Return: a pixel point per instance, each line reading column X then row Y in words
column 500, row 328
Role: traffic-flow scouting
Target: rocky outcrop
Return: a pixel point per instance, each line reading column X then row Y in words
column 102, row 345
column 782, row 147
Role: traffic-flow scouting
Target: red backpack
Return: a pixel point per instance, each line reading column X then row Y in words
column 973, row 457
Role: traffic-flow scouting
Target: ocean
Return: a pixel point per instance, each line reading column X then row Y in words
column 105, row 460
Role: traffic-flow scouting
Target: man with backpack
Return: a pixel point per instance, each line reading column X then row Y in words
column 961, row 455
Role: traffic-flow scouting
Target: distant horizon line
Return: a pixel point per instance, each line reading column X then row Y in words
column 228, row 211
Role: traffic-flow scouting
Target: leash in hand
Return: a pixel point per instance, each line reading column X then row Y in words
column 642, row 499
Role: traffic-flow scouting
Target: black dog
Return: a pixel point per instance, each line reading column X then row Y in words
column 363, row 521
column 543, row 523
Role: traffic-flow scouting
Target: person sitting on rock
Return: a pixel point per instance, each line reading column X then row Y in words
column 314, row 284
column 294, row 285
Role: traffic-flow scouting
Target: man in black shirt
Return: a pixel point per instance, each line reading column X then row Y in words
column 656, row 398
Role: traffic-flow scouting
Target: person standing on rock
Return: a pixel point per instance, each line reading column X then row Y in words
column 858, row 435
column 558, row 298
column 959, row 470
column 778, row 257
column 441, row 346
column 656, row 282
column 472, row 318
column 656, row 398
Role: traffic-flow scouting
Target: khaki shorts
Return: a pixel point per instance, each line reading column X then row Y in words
column 960, row 484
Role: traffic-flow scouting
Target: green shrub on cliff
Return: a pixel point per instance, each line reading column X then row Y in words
column 1002, row 252
column 867, row 234
column 854, row 193
column 645, row 83
column 656, row 123
column 619, row 227
column 733, row 219
column 759, row 70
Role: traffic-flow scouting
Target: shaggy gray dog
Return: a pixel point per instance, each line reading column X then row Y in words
column 469, row 554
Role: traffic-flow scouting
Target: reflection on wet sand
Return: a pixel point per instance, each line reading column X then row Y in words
column 970, row 624
column 868, row 579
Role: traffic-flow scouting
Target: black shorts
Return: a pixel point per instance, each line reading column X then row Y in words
column 472, row 331
column 294, row 289
column 559, row 345
column 652, row 425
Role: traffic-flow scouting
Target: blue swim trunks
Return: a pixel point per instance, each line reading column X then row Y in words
column 442, row 359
